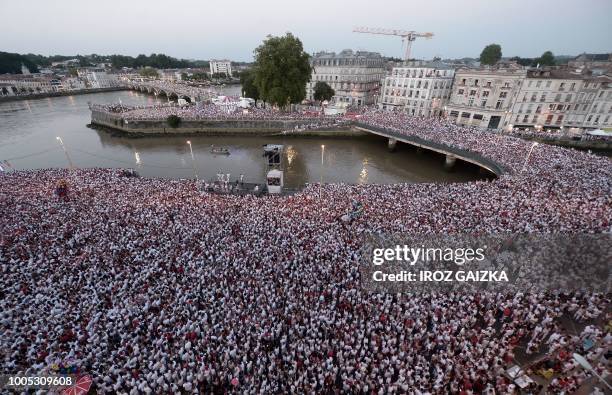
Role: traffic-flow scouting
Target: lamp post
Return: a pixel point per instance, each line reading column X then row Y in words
column 528, row 155
column 322, row 157
column 582, row 361
column 195, row 173
column 58, row 138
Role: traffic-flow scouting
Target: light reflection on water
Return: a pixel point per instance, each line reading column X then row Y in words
column 31, row 127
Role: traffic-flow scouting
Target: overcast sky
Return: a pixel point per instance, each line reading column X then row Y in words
column 204, row 29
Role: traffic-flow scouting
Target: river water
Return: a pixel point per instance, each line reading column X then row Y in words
column 28, row 131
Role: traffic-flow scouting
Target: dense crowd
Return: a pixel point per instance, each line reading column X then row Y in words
column 558, row 135
column 153, row 286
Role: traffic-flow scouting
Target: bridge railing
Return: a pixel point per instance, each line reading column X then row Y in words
column 459, row 152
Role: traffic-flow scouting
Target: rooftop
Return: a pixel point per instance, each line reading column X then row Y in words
column 346, row 53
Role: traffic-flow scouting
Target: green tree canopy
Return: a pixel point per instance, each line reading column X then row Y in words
column 173, row 120
column 149, row 72
column 247, row 80
column 491, row 54
column 322, row 91
column 11, row 63
column 281, row 70
column 522, row 61
column 547, row 59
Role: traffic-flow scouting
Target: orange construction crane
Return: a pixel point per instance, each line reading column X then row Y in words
column 407, row 36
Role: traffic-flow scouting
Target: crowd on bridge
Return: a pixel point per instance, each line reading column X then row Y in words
column 153, row 286
column 172, row 88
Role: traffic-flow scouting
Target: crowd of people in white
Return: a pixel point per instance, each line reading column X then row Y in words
column 153, row 286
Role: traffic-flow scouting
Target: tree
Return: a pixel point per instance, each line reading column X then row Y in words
column 322, row 91
column 491, row 54
column 173, row 120
column 522, row 61
column 11, row 63
column 281, row 70
column 547, row 59
column 247, row 80
column 149, row 72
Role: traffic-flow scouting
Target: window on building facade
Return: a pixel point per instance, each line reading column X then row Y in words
column 548, row 83
column 472, row 92
column 499, row 104
column 538, row 84
column 543, row 98
column 503, row 95
column 538, row 109
column 549, row 119
column 483, row 103
column 558, row 97
column 568, row 97
column 559, row 119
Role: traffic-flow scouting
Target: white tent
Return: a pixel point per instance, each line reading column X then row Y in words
column 599, row 132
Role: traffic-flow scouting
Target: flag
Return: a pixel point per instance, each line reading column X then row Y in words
column 1, row 169
column 80, row 388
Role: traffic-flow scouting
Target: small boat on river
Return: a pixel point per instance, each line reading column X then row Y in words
column 219, row 150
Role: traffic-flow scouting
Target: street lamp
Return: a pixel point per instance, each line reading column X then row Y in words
column 582, row 361
column 322, row 157
column 58, row 138
column 195, row 173
column 528, row 155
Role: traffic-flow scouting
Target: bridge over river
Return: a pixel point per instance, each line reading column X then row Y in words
column 174, row 91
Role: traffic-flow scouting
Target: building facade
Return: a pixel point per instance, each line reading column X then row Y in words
column 484, row 97
column 221, row 66
column 98, row 78
column 420, row 88
column 593, row 110
column 18, row 84
column 355, row 77
column 545, row 99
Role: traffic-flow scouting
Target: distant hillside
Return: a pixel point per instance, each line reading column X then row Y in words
column 11, row 63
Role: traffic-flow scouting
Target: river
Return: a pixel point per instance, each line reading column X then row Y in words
column 29, row 131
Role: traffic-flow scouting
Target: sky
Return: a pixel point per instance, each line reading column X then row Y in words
column 206, row 29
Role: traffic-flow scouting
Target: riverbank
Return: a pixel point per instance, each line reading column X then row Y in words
column 216, row 127
column 45, row 95
column 341, row 131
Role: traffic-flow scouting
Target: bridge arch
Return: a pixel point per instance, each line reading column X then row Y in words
column 452, row 153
